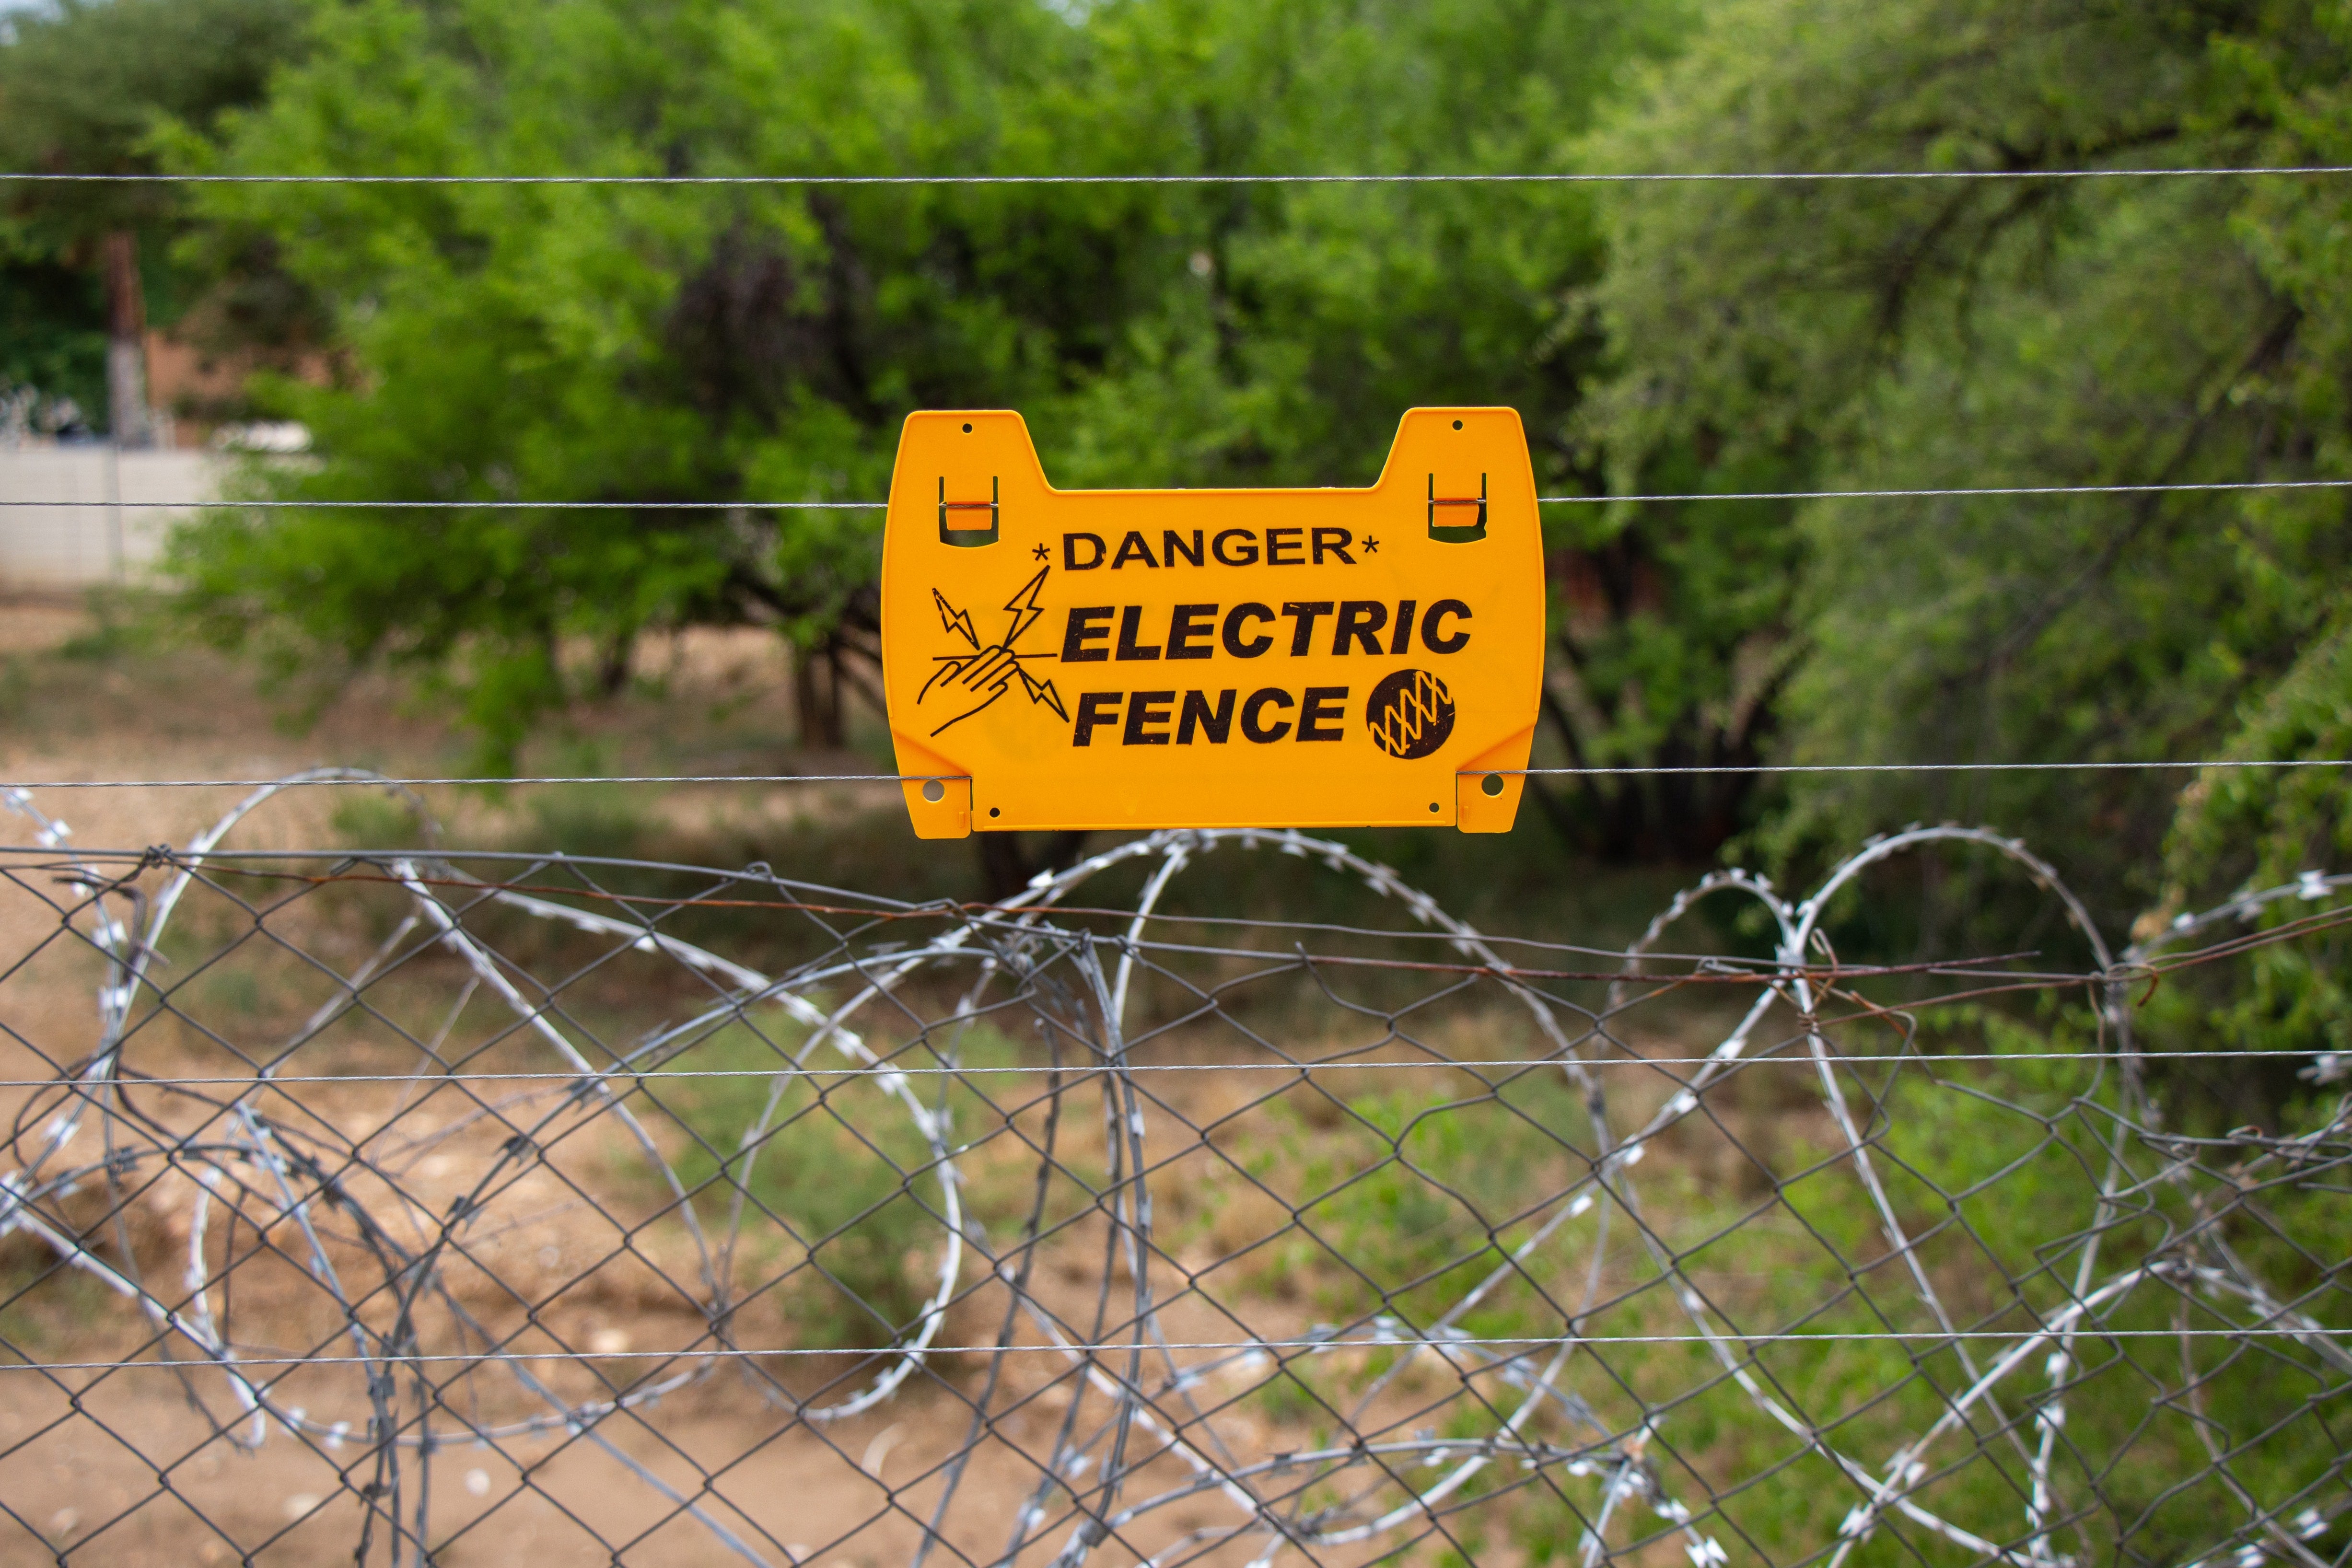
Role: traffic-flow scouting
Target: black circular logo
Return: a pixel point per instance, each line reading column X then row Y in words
column 1410, row 715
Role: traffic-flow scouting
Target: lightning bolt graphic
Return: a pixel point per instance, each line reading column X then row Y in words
column 987, row 673
column 1044, row 692
column 954, row 620
column 1023, row 606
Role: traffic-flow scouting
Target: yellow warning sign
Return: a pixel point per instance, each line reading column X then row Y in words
column 1213, row 658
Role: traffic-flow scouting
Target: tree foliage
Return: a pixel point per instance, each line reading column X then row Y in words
column 85, row 86
column 2033, row 331
column 658, row 350
column 676, row 346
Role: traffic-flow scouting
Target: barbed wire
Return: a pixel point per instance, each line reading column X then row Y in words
column 2000, row 1307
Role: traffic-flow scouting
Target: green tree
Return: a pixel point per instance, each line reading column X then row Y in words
column 83, row 87
column 1930, row 334
column 689, row 344
column 52, row 335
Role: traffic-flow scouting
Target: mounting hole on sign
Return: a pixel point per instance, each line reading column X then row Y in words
column 993, row 811
column 1432, row 804
column 1457, row 424
column 934, row 790
column 1493, row 784
column 967, row 429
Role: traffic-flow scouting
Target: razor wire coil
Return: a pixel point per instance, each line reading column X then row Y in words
column 995, row 1197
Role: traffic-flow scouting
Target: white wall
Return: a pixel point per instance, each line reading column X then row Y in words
column 56, row 547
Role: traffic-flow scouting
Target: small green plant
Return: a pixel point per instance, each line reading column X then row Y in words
column 1286, row 1399
column 588, row 820
column 1406, row 1199
column 366, row 820
column 41, row 1297
column 16, row 689
column 837, row 1188
column 233, row 990
column 117, row 627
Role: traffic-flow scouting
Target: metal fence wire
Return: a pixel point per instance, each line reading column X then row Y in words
column 419, row 1207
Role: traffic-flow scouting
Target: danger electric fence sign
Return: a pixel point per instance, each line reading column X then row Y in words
column 1213, row 658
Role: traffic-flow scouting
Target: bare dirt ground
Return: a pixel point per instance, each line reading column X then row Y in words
column 83, row 700
column 125, row 1467
column 84, row 696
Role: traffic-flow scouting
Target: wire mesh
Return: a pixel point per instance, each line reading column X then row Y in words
column 415, row 1205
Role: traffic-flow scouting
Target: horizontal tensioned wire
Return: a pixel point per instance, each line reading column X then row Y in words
column 1600, row 772
column 1613, row 1434
column 1954, row 491
column 1012, row 920
column 1545, row 177
column 1527, row 1344
column 617, row 1077
column 482, row 505
column 2068, row 767
column 274, row 865
column 1016, row 918
column 1011, row 917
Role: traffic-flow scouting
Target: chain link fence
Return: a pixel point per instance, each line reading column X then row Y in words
column 418, row 1206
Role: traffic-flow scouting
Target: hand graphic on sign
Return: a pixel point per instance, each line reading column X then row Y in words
column 1228, row 658
column 993, row 669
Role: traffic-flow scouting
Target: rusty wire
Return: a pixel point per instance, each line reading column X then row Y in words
column 413, row 1206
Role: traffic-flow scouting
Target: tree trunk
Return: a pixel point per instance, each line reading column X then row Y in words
column 817, row 696
column 613, row 662
column 1007, row 861
column 127, row 413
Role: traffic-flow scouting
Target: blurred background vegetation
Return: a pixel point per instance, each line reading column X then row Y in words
column 664, row 348
column 668, row 345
